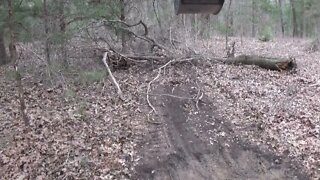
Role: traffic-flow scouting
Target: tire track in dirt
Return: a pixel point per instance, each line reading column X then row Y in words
column 179, row 149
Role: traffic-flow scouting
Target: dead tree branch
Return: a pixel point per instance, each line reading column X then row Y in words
column 144, row 36
column 156, row 13
column 152, row 81
column 145, row 28
column 114, row 81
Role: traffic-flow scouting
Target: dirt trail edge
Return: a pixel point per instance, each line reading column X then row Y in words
column 194, row 143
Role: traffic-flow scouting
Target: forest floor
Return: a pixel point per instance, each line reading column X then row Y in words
column 212, row 121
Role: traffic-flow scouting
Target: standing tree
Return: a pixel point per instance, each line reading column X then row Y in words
column 281, row 17
column 253, row 14
column 63, row 33
column 123, row 19
column 294, row 19
column 46, row 31
column 14, row 58
column 228, row 24
column 3, row 53
column 12, row 31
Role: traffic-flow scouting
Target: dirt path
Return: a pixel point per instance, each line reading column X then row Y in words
column 182, row 148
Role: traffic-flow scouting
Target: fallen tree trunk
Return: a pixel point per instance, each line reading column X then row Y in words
column 277, row 64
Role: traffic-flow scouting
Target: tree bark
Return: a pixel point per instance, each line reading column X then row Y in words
column 205, row 23
column 123, row 19
column 14, row 59
column 3, row 53
column 193, row 25
column 302, row 13
column 228, row 24
column 11, row 22
column 63, row 26
column 278, row 64
column 46, row 31
column 281, row 17
column 295, row 32
column 253, row 12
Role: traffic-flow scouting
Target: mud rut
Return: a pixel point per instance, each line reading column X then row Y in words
column 194, row 143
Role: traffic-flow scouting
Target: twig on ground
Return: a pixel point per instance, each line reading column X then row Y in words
column 157, row 77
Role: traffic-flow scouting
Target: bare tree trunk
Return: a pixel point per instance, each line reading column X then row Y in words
column 301, row 32
column 14, row 58
column 62, row 24
column 231, row 24
column 253, row 12
column 46, row 30
column 204, row 30
column 3, row 53
column 281, row 18
column 155, row 10
column 11, row 22
column 123, row 19
column 228, row 24
column 193, row 23
column 294, row 19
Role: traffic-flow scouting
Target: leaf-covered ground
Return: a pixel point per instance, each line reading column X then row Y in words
column 76, row 131
column 277, row 109
column 84, row 131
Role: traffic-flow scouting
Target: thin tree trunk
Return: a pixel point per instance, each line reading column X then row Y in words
column 281, row 18
column 155, row 10
column 14, row 58
column 62, row 24
column 231, row 23
column 301, row 32
column 294, row 19
column 253, row 13
column 46, row 30
column 123, row 19
column 204, row 30
column 3, row 53
column 228, row 24
column 193, row 23
column 11, row 22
